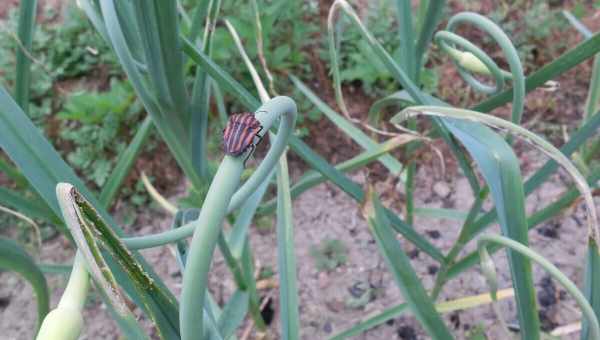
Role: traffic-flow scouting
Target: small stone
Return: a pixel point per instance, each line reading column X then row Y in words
column 323, row 280
column 406, row 333
column 401, row 188
column 335, row 305
column 442, row 189
column 434, row 234
column 547, row 294
column 4, row 301
column 327, row 327
column 357, row 290
column 548, row 231
column 455, row 320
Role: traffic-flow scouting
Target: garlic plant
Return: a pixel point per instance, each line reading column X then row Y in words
column 165, row 50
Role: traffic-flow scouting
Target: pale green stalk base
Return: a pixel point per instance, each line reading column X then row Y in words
column 66, row 321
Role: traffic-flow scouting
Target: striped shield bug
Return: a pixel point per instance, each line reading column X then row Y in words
column 240, row 132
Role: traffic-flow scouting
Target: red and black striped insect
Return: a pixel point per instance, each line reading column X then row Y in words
column 240, row 132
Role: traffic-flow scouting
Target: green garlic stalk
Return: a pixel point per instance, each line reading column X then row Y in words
column 65, row 322
column 220, row 200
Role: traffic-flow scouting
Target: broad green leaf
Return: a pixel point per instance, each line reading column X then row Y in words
column 500, row 168
column 14, row 258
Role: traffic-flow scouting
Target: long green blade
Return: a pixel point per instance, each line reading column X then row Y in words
column 435, row 9
column 371, row 322
column 201, row 92
column 32, row 153
column 577, row 139
column 355, row 133
column 298, row 146
column 233, row 314
column 500, row 168
column 44, row 169
column 125, row 162
column 27, row 13
column 159, row 31
column 31, row 207
column 399, row 264
column 553, row 209
column 565, row 62
column 312, row 178
column 125, row 44
column 14, row 258
column 592, row 285
column 407, row 34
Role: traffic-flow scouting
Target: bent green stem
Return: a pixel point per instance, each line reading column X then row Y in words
column 569, row 286
column 266, row 114
column 219, row 200
column 482, row 61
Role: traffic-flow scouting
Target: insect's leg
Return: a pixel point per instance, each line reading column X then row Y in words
column 258, row 135
column 252, row 147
